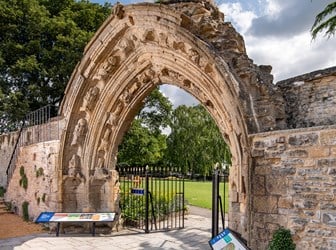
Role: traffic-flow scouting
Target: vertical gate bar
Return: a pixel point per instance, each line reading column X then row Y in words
column 175, row 197
column 164, row 194
column 147, row 203
column 215, row 187
column 171, row 199
column 159, row 179
column 183, row 201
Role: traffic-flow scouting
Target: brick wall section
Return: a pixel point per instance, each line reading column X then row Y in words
column 294, row 185
column 40, row 155
column 310, row 99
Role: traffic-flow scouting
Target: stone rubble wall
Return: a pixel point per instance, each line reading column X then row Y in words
column 30, row 135
column 7, row 143
column 310, row 99
column 294, row 185
column 42, row 188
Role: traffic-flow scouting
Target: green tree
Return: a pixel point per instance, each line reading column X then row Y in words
column 41, row 41
column 195, row 142
column 156, row 112
column 144, row 142
column 140, row 146
column 325, row 21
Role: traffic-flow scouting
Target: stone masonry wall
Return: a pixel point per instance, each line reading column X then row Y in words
column 294, row 185
column 39, row 163
column 7, row 143
column 310, row 99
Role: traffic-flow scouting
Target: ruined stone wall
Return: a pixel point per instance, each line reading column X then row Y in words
column 7, row 143
column 310, row 99
column 294, row 185
column 38, row 162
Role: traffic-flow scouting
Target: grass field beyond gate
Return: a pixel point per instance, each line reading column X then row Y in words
column 199, row 193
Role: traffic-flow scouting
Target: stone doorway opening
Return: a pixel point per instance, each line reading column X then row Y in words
column 124, row 62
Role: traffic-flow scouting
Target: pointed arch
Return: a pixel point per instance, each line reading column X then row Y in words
column 136, row 49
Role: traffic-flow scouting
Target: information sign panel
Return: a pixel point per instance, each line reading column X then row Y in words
column 226, row 240
column 78, row 217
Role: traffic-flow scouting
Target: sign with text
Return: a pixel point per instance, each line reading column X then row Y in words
column 45, row 217
column 226, row 240
column 137, row 191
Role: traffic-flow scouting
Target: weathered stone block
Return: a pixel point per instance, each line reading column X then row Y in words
column 285, row 202
column 319, row 152
column 297, row 153
column 276, row 185
column 259, row 185
column 266, row 204
column 329, row 218
column 328, row 138
column 303, row 140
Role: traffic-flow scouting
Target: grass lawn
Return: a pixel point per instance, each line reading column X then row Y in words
column 198, row 193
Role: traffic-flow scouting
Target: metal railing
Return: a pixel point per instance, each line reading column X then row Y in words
column 152, row 198
column 37, row 126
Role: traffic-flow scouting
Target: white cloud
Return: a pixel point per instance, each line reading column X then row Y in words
column 178, row 96
column 278, row 35
column 242, row 18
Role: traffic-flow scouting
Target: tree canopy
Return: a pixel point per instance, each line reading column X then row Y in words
column 195, row 142
column 325, row 21
column 41, row 42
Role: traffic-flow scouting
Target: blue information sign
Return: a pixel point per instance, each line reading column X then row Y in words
column 137, row 191
column 226, row 240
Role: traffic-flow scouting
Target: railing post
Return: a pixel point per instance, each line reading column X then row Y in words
column 146, row 200
column 215, row 194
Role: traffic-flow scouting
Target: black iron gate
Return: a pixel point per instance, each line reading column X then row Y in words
column 152, row 197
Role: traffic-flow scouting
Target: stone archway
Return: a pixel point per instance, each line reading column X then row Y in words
column 137, row 48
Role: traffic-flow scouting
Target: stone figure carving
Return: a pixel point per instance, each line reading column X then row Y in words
column 90, row 99
column 79, row 132
column 179, row 46
column 113, row 117
column 134, row 87
column 194, row 56
column 107, row 67
column 74, row 168
column 104, row 143
column 149, row 35
column 126, row 46
column 147, row 76
column 118, row 10
column 163, row 39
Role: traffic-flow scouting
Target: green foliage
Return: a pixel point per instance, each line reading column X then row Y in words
column 144, row 143
column 325, row 21
column 156, row 113
column 25, row 211
column 41, row 41
column 39, row 172
column 44, row 197
column 195, row 143
column 24, row 180
column 22, row 172
column 282, row 240
column 134, row 207
column 2, row 191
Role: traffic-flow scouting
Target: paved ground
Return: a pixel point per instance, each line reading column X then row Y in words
column 195, row 235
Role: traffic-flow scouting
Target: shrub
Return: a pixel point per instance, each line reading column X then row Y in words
column 282, row 240
column 2, row 191
column 24, row 179
column 39, row 172
column 43, row 197
column 25, row 212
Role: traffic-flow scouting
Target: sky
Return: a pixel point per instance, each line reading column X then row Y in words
column 276, row 33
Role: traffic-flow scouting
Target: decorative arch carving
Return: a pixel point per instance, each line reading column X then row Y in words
column 122, row 64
